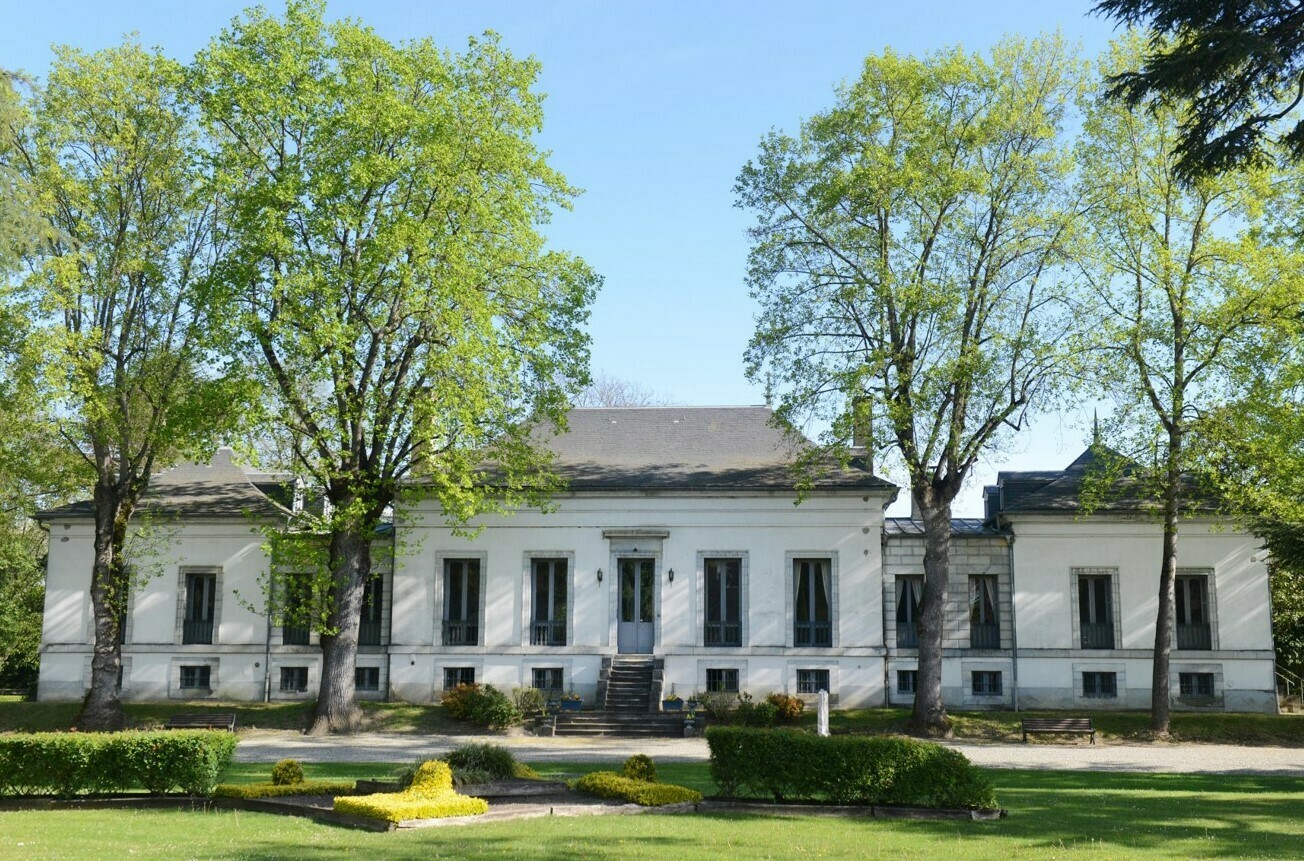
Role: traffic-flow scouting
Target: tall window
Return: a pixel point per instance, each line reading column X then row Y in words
column 909, row 592
column 549, row 625
column 120, row 603
column 1193, row 630
column 201, row 606
column 1095, row 611
column 373, row 609
column 723, row 624
column 813, row 610
column 298, row 601
column 984, row 627
column 461, row 602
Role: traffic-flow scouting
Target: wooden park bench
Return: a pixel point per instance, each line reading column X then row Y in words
column 1058, row 726
column 211, row 720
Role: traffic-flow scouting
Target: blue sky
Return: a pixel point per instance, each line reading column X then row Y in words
column 652, row 109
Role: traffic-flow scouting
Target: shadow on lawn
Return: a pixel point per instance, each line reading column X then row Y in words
column 1173, row 815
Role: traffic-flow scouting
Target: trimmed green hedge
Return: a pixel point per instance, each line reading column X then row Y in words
column 429, row 796
column 608, row 784
column 790, row 765
column 275, row 790
column 74, row 763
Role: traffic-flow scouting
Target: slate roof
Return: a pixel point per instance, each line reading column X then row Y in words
column 635, row 448
column 963, row 526
column 1060, row 492
column 219, row 489
column 686, row 448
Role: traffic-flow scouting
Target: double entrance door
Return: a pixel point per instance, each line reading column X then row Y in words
column 636, row 630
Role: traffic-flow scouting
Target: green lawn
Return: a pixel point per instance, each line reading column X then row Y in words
column 1053, row 815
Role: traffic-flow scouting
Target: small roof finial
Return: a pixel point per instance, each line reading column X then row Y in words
column 1095, row 428
column 769, row 390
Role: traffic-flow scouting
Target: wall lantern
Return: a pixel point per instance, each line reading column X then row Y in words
column 672, row 575
column 599, row 575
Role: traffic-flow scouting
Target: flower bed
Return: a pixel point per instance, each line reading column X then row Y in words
column 429, row 796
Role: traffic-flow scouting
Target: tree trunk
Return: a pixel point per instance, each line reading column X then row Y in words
column 929, row 716
column 350, row 561
column 1160, row 688
column 102, row 710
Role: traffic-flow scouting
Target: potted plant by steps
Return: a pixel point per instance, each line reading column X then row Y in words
column 672, row 703
column 572, row 702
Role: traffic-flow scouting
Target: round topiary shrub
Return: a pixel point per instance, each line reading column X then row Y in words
column 640, row 767
column 287, row 772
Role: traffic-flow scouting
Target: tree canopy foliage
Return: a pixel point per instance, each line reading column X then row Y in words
column 114, row 362
column 1184, row 284
column 1236, row 67
column 382, row 260
column 905, row 256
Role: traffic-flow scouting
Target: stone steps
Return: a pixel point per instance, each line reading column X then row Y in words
column 627, row 709
column 607, row 724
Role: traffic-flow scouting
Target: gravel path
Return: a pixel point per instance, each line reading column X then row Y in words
column 269, row 746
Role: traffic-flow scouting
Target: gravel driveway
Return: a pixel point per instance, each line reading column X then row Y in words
column 269, row 746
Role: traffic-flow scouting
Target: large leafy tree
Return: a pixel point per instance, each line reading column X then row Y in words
column 1186, row 282
column 383, row 247
column 905, row 257
column 21, row 228
column 1254, row 448
column 1238, row 66
column 113, row 357
column 24, row 456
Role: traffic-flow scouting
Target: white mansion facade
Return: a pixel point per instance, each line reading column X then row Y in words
column 678, row 537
